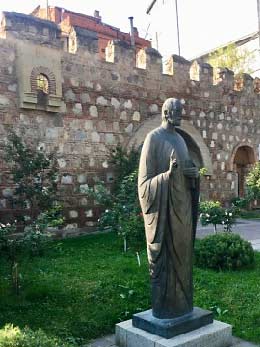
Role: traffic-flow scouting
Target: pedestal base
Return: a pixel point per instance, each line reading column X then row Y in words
column 217, row 334
column 172, row 327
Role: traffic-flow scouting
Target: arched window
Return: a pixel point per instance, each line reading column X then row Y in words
column 42, row 83
column 43, row 79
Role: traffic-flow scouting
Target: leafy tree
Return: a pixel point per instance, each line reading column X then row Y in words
column 124, row 162
column 124, row 214
column 34, row 174
column 253, row 182
column 234, row 58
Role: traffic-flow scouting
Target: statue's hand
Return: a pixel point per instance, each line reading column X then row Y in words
column 173, row 163
column 191, row 172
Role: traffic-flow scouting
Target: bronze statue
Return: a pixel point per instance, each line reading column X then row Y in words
column 168, row 186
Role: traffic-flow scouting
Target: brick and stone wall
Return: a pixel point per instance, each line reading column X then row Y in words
column 105, row 103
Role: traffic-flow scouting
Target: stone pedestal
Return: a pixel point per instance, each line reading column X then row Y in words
column 169, row 328
column 216, row 334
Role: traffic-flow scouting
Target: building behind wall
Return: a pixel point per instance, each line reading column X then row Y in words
column 67, row 20
column 91, row 104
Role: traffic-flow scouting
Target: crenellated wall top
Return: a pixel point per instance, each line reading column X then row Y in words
column 125, row 59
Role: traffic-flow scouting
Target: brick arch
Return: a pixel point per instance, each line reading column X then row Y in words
column 138, row 138
column 48, row 73
column 252, row 155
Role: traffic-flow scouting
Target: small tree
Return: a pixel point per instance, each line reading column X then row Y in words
column 234, row 58
column 211, row 212
column 124, row 162
column 34, row 174
column 253, row 182
column 124, row 213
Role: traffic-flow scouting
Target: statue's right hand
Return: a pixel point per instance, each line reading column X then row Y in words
column 173, row 162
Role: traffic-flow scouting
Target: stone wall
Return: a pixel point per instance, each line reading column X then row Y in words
column 105, row 103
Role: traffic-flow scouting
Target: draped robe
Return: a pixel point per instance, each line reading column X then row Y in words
column 169, row 204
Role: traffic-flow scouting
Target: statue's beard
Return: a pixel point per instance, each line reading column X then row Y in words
column 173, row 121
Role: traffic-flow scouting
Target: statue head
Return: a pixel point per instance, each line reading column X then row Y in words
column 172, row 111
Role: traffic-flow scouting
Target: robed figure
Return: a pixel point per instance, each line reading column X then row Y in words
column 168, row 187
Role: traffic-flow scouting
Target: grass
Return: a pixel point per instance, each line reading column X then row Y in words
column 82, row 287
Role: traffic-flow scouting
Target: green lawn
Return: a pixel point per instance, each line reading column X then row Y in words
column 83, row 286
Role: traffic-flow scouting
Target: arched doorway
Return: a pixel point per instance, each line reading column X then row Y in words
column 242, row 159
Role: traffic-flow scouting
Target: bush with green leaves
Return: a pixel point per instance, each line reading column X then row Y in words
column 11, row 336
column 125, row 162
column 240, row 203
column 34, row 174
column 211, row 212
column 124, row 214
column 223, row 251
column 253, row 182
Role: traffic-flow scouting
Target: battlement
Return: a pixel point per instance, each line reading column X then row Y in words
column 182, row 71
column 20, row 26
column 145, row 63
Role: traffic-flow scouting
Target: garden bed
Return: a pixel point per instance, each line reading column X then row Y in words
column 82, row 287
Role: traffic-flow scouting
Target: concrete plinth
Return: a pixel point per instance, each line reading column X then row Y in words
column 216, row 334
column 169, row 328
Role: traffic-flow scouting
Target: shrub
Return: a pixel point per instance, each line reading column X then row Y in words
column 124, row 162
column 253, row 182
column 211, row 212
column 34, row 174
column 223, row 251
column 240, row 202
column 124, row 214
column 11, row 336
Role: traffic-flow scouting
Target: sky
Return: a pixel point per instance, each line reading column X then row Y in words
column 204, row 24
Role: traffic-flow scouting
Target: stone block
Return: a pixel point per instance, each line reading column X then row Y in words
column 168, row 328
column 153, row 108
column 83, row 188
column 70, row 96
column 77, row 109
column 128, row 104
column 66, row 179
column 115, row 103
column 62, row 163
column 8, row 192
column 89, row 213
column 73, row 214
column 85, row 98
column 93, row 111
column 136, row 116
column 217, row 334
column 82, row 178
column 102, row 101
column 4, row 101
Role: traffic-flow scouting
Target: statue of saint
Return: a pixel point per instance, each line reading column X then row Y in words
column 168, row 187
